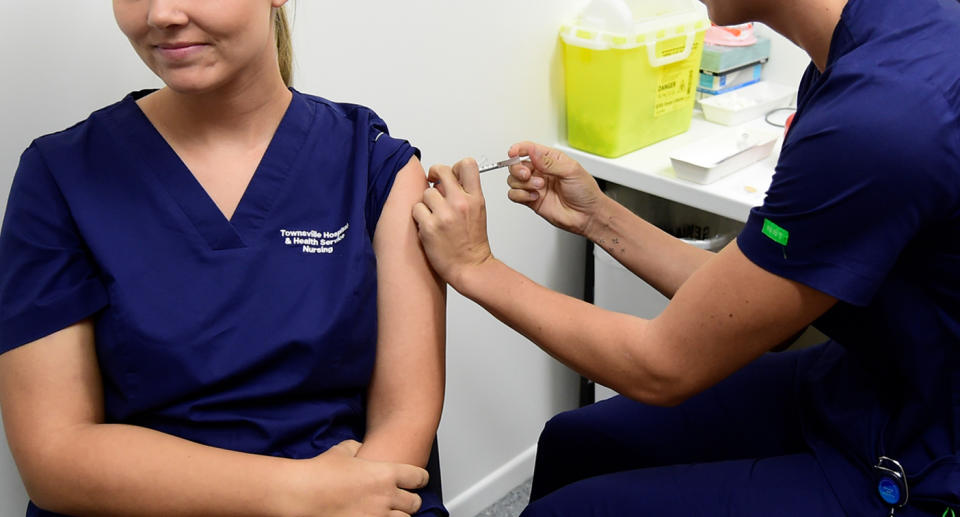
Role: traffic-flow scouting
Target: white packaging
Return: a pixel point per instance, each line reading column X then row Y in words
column 747, row 103
column 709, row 159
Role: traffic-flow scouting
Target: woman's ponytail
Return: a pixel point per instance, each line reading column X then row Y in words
column 284, row 45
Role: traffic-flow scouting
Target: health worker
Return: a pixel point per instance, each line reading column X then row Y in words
column 856, row 236
column 212, row 296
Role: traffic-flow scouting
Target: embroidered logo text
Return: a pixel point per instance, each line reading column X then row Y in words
column 313, row 241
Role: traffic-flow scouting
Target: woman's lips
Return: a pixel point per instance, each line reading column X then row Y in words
column 179, row 51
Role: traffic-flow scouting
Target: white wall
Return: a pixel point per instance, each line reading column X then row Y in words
column 457, row 78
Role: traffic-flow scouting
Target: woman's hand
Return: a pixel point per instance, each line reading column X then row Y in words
column 554, row 186
column 338, row 484
column 452, row 221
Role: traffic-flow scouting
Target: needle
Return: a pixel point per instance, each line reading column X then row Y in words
column 504, row 163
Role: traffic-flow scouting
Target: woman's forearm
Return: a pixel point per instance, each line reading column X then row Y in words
column 106, row 469
column 657, row 257
column 403, row 437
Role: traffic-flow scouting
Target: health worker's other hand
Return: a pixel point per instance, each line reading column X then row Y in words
column 554, row 186
column 452, row 220
column 338, row 484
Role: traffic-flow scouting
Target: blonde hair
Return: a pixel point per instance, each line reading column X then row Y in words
column 281, row 25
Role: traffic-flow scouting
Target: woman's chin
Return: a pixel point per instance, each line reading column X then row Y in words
column 189, row 83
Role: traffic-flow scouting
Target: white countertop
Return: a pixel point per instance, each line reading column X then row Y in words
column 649, row 170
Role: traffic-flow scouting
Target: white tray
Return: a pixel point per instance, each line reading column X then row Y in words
column 709, row 159
column 747, row 103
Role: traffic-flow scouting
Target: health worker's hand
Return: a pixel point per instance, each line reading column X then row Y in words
column 452, row 221
column 338, row 484
column 554, row 186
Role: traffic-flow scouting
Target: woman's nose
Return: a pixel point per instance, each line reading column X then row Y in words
column 164, row 14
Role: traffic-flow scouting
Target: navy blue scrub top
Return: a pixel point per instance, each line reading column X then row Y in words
column 865, row 206
column 254, row 334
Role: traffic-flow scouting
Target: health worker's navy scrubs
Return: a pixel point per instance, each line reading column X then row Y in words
column 864, row 206
column 256, row 334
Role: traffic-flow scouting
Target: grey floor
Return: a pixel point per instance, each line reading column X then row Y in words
column 511, row 504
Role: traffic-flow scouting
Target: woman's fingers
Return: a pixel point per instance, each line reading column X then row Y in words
column 406, row 502
column 410, row 477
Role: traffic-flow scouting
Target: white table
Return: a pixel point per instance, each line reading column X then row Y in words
column 649, row 170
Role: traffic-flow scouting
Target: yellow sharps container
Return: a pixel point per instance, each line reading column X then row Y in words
column 631, row 70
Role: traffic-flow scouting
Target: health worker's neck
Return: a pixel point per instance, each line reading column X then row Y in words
column 810, row 24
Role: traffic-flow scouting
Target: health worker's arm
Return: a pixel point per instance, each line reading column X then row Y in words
column 558, row 189
column 724, row 314
column 406, row 392
column 74, row 463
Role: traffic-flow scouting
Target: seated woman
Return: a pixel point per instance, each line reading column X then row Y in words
column 211, row 293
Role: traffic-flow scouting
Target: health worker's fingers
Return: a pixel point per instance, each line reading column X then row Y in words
column 432, row 175
column 421, row 213
column 406, row 502
column 546, row 160
column 447, row 180
column 525, row 192
column 468, row 173
column 410, row 477
column 433, row 199
column 523, row 197
column 521, row 149
column 534, row 183
column 522, row 170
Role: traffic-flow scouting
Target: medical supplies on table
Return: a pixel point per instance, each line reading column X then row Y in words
column 710, row 159
column 715, row 83
column 746, row 103
column 731, row 62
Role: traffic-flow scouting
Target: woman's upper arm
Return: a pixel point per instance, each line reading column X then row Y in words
column 411, row 302
column 47, row 386
column 728, row 313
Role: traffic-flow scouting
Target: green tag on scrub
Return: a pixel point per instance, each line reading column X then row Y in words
column 776, row 233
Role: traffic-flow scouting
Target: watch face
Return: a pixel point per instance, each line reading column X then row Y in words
column 889, row 490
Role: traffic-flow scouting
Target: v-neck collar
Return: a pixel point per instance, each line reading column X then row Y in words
column 157, row 156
